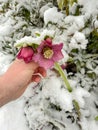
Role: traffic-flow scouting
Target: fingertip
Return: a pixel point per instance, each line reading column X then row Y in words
column 36, row 78
column 44, row 74
column 42, row 71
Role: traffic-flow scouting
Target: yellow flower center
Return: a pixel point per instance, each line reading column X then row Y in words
column 48, row 53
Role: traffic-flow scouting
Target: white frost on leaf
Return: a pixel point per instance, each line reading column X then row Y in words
column 52, row 89
column 50, row 102
column 29, row 40
column 25, row 41
column 78, row 41
column 46, row 33
column 79, row 94
column 90, row 6
column 74, row 23
column 52, row 15
column 5, row 30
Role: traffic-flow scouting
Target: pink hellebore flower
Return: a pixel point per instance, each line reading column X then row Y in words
column 47, row 53
column 26, row 53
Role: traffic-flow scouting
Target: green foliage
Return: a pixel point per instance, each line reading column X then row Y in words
column 78, row 11
column 53, row 106
column 73, row 1
column 5, row 7
column 64, row 4
column 93, row 42
column 8, row 49
column 77, row 107
column 24, row 13
column 35, row 46
column 96, row 118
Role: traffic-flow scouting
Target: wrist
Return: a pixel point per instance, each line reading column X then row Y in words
column 3, row 91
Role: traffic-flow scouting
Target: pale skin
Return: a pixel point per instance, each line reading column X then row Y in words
column 16, row 79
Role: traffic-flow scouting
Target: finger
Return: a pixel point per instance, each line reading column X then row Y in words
column 21, row 63
column 41, row 70
column 36, row 78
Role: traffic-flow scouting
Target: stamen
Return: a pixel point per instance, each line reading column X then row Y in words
column 48, row 53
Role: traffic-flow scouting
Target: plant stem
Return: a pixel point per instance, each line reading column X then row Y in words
column 58, row 67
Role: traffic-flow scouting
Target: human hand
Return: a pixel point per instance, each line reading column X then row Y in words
column 18, row 76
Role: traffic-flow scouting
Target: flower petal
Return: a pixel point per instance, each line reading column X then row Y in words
column 49, row 41
column 57, row 52
column 27, row 60
column 39, row 49
column 45, row 63
column 57, row 47
column 57, row 56
column 36, row 57
column 26, row 53
column 19, row 56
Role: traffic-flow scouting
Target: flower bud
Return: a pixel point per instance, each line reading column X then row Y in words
column 26, row 53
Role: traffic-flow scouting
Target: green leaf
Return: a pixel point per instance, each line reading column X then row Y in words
column 96, row 118
column 77, row 107
column 72, row 2
column 77, row 11
column 18, row 45
column 70, row 59
column 37, row 34
column 64, row 4
column 47, row 37
column 25, row 13
column 60, row 4
column 35, row 46
column 92, row 46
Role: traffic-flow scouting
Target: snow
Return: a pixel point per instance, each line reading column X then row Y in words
column 90, row 7
column 5, row 30
column 79, row 20
column 66, row 57
column 81, row 94
column 78, row 41
column 15, row 109
column 96, row 24
column 28, row 40
column 52, row 15
column 65, row 99
column 49, row 102
column 16, row 115
column 5, row 60
column 44, row 8
column 3, row 0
